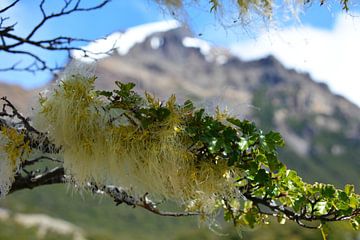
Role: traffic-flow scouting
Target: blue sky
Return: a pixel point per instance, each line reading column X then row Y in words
column 324, row 29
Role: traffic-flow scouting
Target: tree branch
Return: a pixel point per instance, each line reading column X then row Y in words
column 57, row 176
column 332, row 216
column 120, row 196
column 30, row 181
column 10, row 42
column 15, row 113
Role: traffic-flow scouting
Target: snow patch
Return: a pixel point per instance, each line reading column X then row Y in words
column 122, row 42
column 210, row 53
column 221, row 59
column 155, row 42
column 197, row 43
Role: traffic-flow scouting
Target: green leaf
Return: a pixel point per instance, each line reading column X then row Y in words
column 199, row 114
column 275, row 138
column 250, row 219
column 162, row 113
column 349, row 189
column 299, row 203
column 227, row 216
column 354, row 202
column 247, row 127
column 344, row 202
column 262, row 177
column 234, row 121
column 125, row 86
column 328, row 191
column 188, row 105
column 243, row 144
column 248, row 205
column 273, row 162
column 104, row 93
column 321, row 208
column 230, row 135
column 260, row 158
column 343, row 197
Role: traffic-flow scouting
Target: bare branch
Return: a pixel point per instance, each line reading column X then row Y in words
column 57, row 176
column 10, row 42
column 30, row 181
column 274, row 208
column 15, row 113
column 120, row 196
column 63, row 12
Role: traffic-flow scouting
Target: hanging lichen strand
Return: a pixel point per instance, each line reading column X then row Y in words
column 180, row 153
column 13, row 150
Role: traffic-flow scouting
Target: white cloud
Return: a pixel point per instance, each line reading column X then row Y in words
column 330, row 56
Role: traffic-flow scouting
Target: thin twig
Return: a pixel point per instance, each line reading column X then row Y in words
column 9, row 6
column 11, row 42
column 120, row 196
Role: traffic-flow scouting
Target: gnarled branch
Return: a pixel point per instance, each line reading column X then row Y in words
column 11, row 43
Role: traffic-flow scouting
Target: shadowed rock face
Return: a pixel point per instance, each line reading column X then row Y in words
column 322, row 130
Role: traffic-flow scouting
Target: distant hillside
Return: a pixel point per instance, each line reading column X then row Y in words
column 322, row 130
column 21, row 98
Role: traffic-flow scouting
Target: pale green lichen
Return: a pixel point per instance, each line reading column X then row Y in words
column 13, row 150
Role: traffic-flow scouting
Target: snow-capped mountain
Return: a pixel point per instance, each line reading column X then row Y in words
column 122, row 42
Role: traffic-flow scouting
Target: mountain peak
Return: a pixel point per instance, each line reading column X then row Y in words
column 122, row 42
